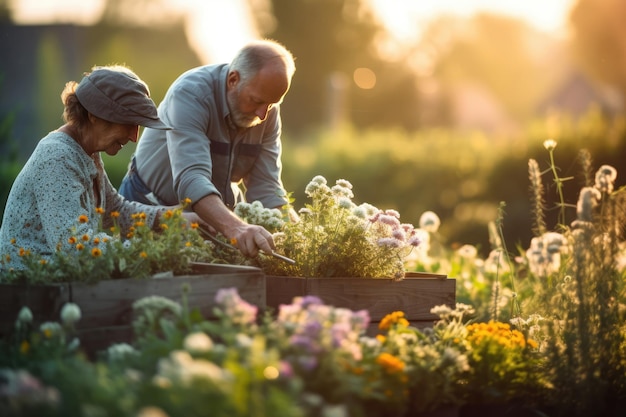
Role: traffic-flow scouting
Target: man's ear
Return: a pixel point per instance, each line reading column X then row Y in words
column 232, row 79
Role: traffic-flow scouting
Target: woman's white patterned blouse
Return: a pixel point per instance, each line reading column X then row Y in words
column 57, row 185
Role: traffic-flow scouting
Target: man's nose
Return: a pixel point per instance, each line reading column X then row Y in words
column 261, row 112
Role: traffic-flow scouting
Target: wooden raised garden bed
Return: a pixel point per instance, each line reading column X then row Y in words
column 106, row 306
column 415, row 295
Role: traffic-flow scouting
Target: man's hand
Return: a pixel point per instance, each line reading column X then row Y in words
column 249, row 239
column 252, row 238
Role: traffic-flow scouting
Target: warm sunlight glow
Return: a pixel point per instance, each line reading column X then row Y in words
column 364, row 78
column 215, row 28
column 33, row 12
column 406, row 17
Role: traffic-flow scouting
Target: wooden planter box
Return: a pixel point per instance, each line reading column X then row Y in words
column 107, row 305
column 415, row 295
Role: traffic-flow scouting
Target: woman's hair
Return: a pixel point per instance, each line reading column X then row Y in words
column 73, row 112
column 253, row 57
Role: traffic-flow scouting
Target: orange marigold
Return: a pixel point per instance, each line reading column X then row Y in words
column 115, row 214
column 390, row 363
column 80, row 246
column 396, row 317
column 99, row 210
column 83, row 218
column 95, row 252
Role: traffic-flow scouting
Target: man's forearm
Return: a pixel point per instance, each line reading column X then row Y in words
column 214, row 212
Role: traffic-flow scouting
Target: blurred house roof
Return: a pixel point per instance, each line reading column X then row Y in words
column 578, row 93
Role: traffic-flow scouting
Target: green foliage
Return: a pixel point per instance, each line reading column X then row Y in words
column 336, row 238
column 142, row 252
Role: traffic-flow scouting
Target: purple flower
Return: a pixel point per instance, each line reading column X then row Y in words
column 389, row 242
column 389, row 220
column 360, row 320
column 339, row 333
column 310, row 300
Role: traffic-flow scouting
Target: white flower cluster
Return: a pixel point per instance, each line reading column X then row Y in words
column 255, row 213
column 544, row 253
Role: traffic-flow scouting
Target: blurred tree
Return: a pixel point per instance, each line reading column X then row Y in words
column 340, row 69
column 600, row 39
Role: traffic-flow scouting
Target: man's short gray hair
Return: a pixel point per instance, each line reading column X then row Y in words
column 253, row 56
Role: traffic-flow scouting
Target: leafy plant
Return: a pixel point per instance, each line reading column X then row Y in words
column 335, row 237
column 140, row 253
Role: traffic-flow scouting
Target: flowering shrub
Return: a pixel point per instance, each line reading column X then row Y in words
column 140, row 253
column 311, row 359
column 335, row 237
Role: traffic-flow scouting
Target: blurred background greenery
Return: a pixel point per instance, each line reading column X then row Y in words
column 438, row 111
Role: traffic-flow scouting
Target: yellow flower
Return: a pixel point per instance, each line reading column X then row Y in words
column 187, row 201
column 85, row 237
column 71, row 240
column 194, row 225
column 83, row 218
column 168, row 214
column 115, row 214
column 233, row 241
column 80, row 246
column 390, row 363
column 164, row 226
column 396, row 317
column 24, row 347
column 140, row 224
column 13, row 241
column 95, row 252
column 43, row 261
column 23, row 252
column 99, row 210
column 96, row 240
column 129, row 235
column 188, row 244
column 143, row 255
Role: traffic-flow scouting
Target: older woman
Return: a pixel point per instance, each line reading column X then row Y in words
column 64, row 178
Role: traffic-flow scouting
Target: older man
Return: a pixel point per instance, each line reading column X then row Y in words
column 225, row 143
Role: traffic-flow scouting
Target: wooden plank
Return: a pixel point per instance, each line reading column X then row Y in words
column 415, row 296
column 94, row 340
column 282, row 290
column 109, row 303
column 44, row 301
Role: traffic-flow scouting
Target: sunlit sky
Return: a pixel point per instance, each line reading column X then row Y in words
column 215, row 36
